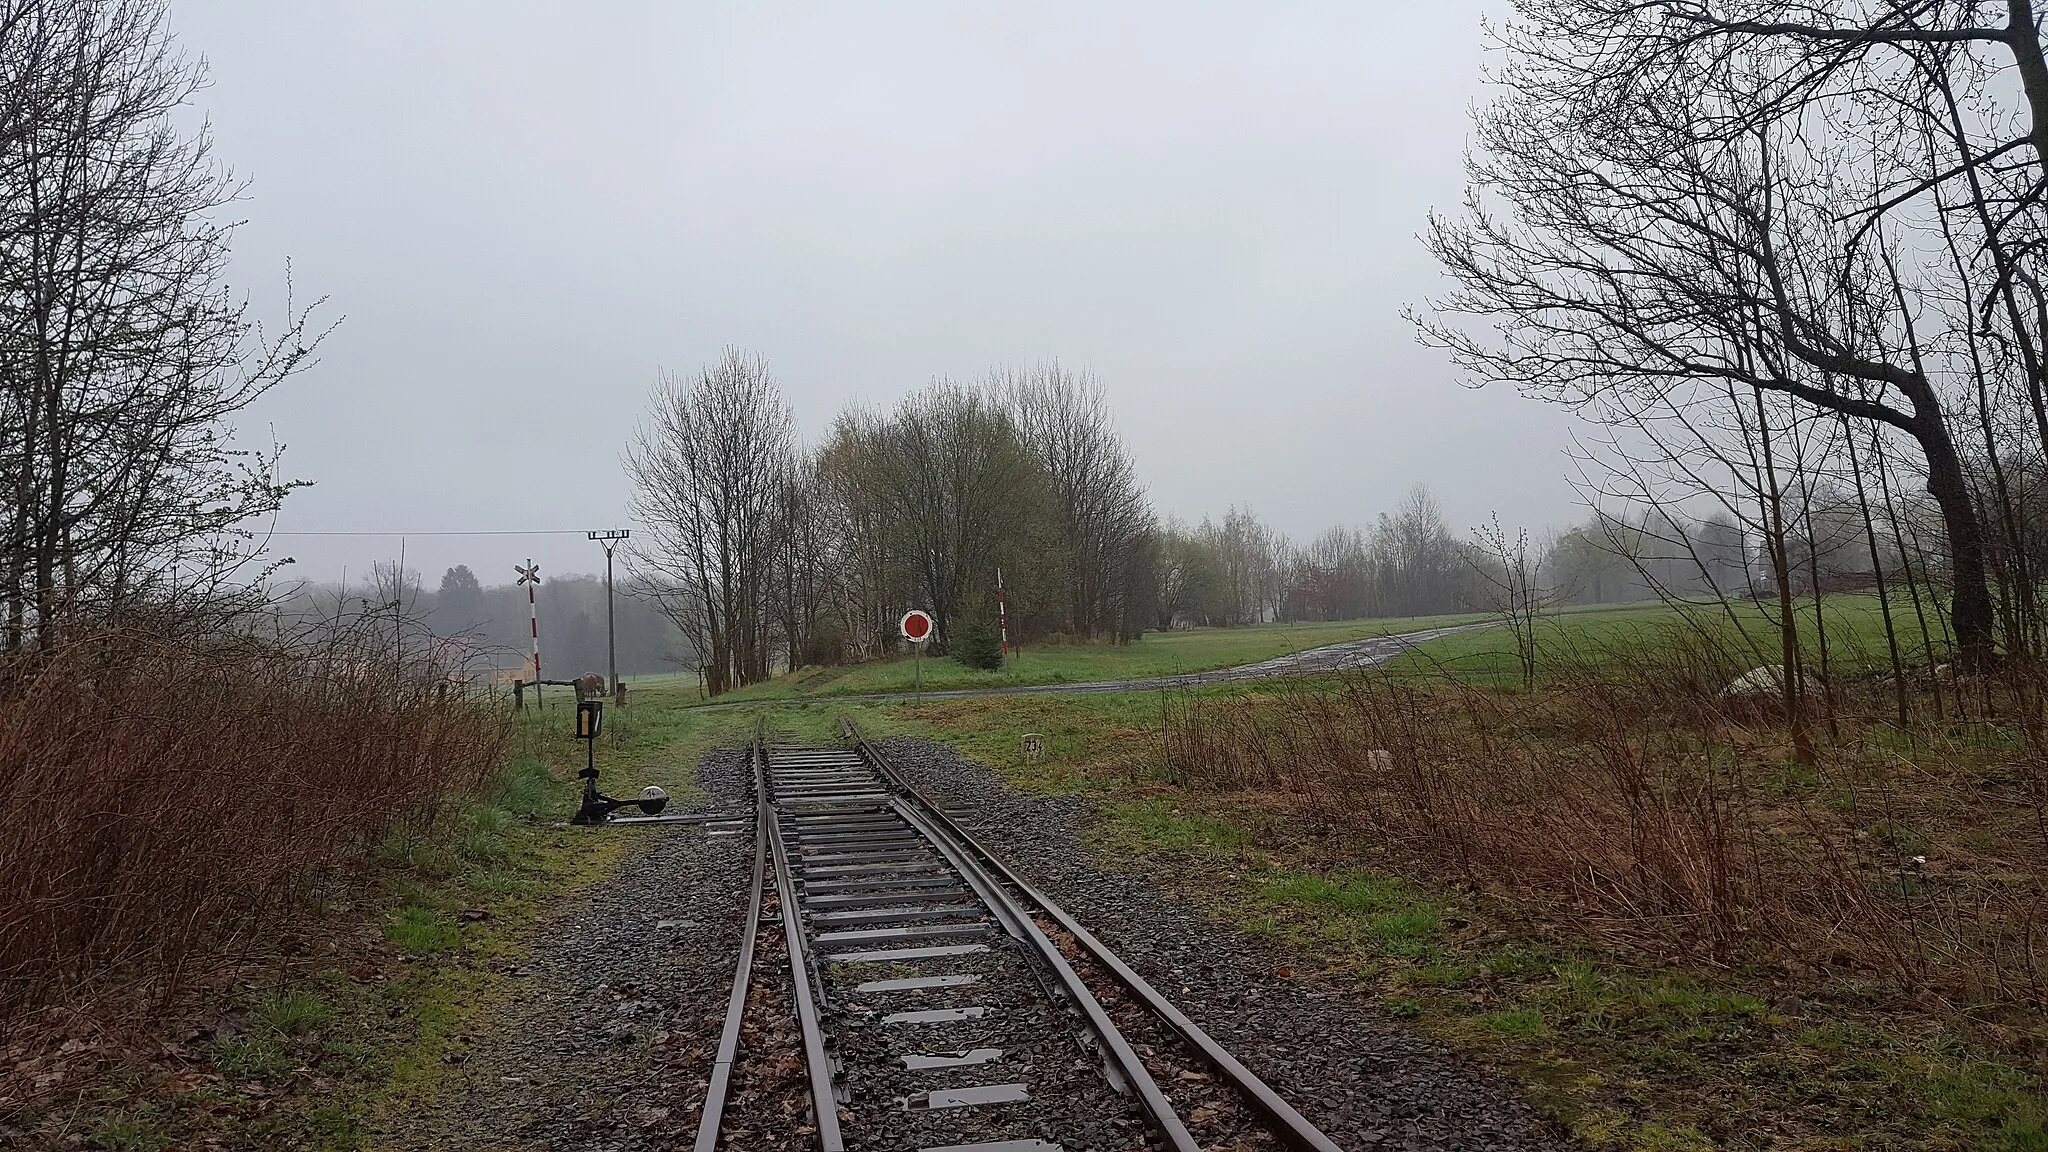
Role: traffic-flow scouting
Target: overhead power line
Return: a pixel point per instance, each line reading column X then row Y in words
column 464, row 532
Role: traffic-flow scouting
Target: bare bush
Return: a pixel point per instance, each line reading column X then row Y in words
column 162, row 797
column 710, row 470
column 1655, row 814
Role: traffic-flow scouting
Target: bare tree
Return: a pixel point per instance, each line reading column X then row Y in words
column 1250, row 554
column 1189, row 585
column 1510, row 588
column 1332, row 578
column 708, row 468
column 803, row 570
column 1417, row 563
column 1103, row 518
column 855, row 514
column 967, row 496
column 1673, row 200
column 122, row 352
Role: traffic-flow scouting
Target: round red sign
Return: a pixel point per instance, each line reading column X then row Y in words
column 917, row 626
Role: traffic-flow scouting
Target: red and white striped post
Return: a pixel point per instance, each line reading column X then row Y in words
column 1002, row 616
column 530, row 576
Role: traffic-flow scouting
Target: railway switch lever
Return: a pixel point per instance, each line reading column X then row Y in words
column 598, row 807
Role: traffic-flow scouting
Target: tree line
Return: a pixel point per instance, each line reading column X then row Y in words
column 460, row 626
column 1240, row 571
column 768, row 554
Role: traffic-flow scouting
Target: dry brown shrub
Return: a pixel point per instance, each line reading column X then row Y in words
column 162, row 796
column 1644, row 808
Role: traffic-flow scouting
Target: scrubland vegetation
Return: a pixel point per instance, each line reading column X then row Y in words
column 1646, row 807
column 186, row 776
column 349, row 991
column 165, row 797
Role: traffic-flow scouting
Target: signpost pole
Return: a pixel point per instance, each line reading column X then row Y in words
column 1003, row 615
column 916, row 627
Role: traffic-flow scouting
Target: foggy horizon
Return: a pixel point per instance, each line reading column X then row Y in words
column 524, row 215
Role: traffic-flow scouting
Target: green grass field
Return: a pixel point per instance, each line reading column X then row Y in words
column 1157, row 654
column 1747, row 633
column 1568, row 641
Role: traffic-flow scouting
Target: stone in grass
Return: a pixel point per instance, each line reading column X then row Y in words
column 1768, row 680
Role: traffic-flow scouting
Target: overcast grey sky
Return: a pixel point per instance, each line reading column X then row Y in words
column 525, row 209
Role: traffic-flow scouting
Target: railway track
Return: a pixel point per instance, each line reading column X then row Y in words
column 940, row 1000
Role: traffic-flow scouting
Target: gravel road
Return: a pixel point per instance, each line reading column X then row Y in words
column 1370, row 652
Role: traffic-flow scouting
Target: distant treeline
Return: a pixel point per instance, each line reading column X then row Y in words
column 1240, row 571
column 1410, row 562
column 466, row 626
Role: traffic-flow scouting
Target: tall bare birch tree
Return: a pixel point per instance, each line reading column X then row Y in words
column 709, row 467
column 1102, row 516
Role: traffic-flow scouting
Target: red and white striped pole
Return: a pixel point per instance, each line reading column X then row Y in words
column 1002, row 616
column 530, row 576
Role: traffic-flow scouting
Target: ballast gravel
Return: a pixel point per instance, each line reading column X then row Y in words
column 606, row 1038
column 1361, row 1079
column 1070, row 1102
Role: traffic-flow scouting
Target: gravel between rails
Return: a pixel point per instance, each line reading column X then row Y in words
column 604, row 1040
column 1216, row 1115
column 1364, row 1081
column 1071, row 1102
column 768, row 1105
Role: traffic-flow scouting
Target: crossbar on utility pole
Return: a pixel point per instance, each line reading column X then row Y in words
column 610, row 540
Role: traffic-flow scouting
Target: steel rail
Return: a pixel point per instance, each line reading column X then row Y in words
column 818, row 1062
column 1292, row 1124
column 1018, row 920
column 736, row 1006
